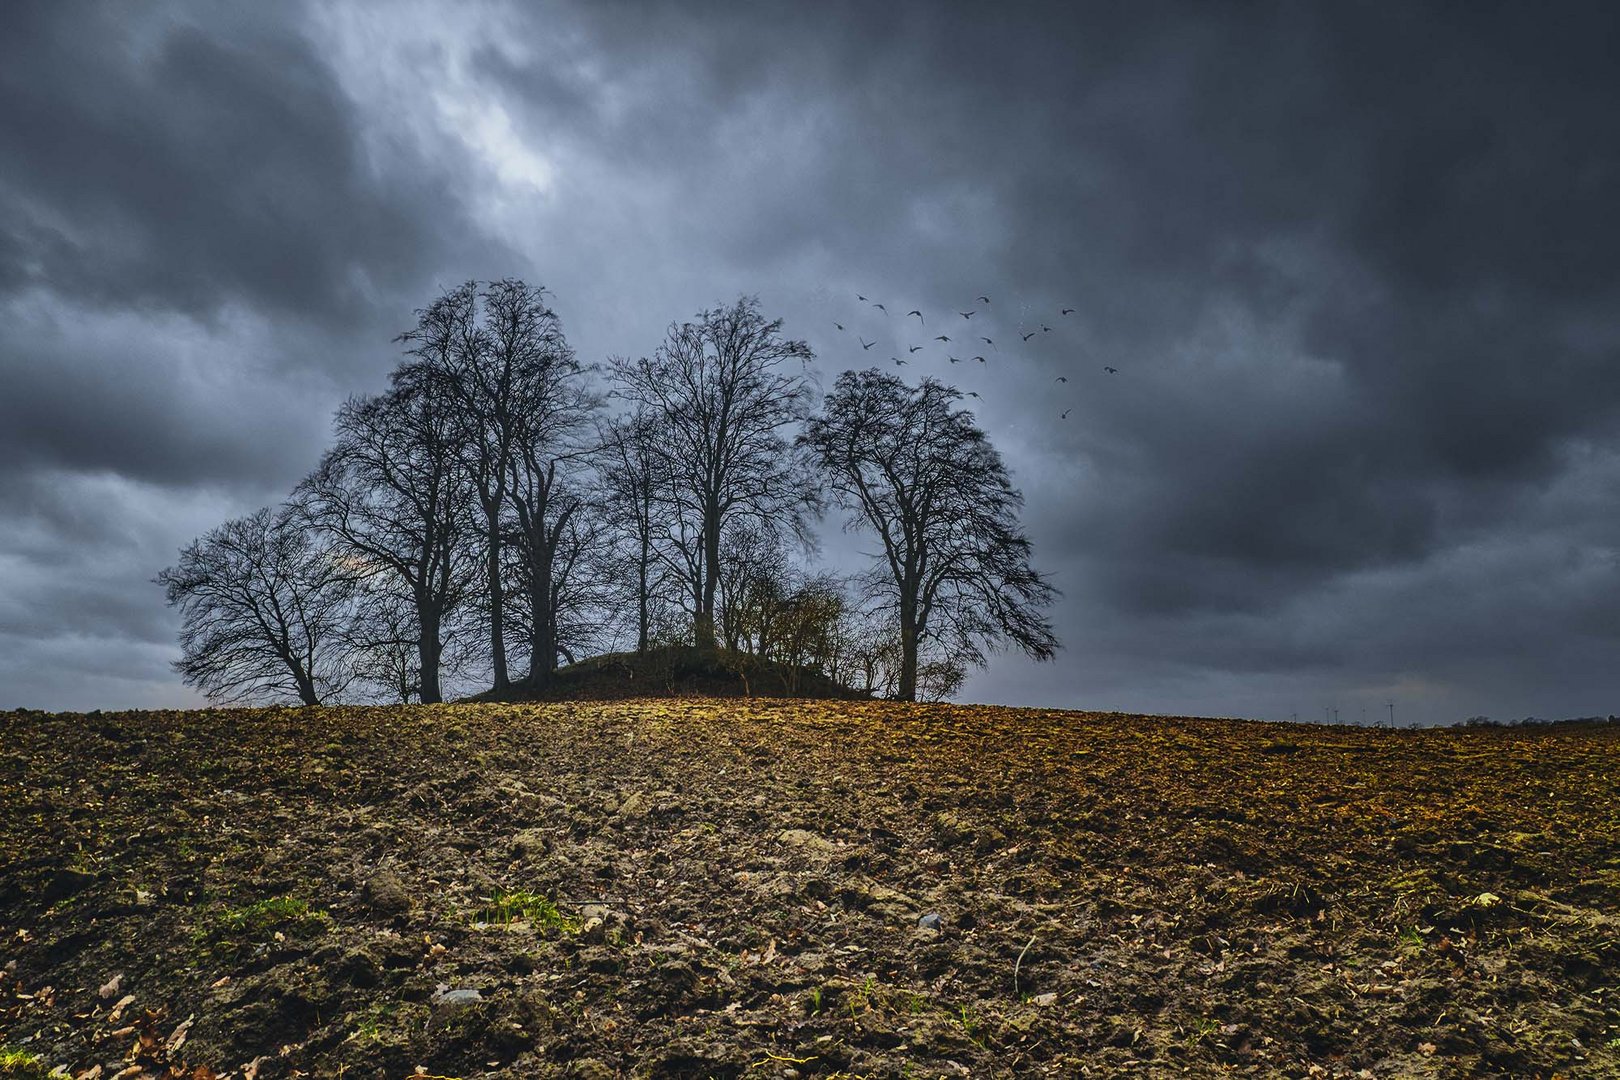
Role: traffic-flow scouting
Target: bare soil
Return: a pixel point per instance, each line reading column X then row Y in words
column 751, row 888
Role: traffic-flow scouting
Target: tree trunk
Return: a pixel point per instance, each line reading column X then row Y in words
column 298, row 669
column 428, row 649
column 543, row 624
column 907, row 690
column 497, row 600
column 704, row 630
column 641, row 598
column 306, row 688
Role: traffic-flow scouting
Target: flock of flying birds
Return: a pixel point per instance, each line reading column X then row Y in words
column 951, row 344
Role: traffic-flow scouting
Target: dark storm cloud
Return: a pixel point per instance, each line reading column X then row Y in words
column 1423, row 194
column 1420, row 191
column 156, row 162
column 165, row 402
column 1355, row 264
column 167, row 163
column 199, row 256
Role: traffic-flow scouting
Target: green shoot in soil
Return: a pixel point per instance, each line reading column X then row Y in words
column 509, row 907
column 20, row 1065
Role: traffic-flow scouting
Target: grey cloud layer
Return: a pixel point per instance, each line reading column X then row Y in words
column 1355, row 264
column 158, row 163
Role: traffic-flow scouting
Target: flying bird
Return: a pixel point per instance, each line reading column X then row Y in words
column 1112, row 370
column 941, row 337
column 1068, row 311
column 861, row 298
column 839, row 325
column 897, row 361
column 1029, row 335
column 915, row 348
column 1048, row 329
column 1066, row 413
column 917, row 313
column 1062, row 378
column 974, row 393
column 980, row 359
column 988, row 342
column 865, row 344
column 984, row 299
column 881, row 308
column 954, row 359
column 966, row 314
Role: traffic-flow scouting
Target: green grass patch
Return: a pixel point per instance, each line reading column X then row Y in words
column 505, row 908
column 284, row 913
column 229, row 933
column 21, row 1065
column 378, row 1025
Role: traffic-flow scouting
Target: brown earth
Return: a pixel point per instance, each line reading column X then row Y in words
column 733, row 888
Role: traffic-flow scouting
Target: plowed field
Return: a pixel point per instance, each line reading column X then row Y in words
column 736, row 888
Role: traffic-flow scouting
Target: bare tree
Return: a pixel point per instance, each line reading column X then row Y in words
column 584, row 596
column 630, row 475
column 554, row 410
column 863, row 651
column 583, row 600
column 385, row 643
column 264, row 610
column 723, row 391
column 520, row 408
column 755, row 579
column 923, row 477
column 384, row 640
column 804, row 629
column 479, row 371
column 393, row 494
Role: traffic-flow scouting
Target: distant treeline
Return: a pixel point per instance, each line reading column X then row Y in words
column 1485, row 721
column 502, row 507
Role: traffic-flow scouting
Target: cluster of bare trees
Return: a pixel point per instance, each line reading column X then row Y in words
column 502, row 507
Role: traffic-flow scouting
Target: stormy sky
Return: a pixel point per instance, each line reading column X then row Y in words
column 1357, row 265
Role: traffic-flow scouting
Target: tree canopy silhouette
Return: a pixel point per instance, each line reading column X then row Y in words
column 391, row 494
column 922, row 476
column 723, row 388
column 490, row 502
column 265, row 611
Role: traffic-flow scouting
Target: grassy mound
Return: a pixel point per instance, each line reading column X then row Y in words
column 676, row 671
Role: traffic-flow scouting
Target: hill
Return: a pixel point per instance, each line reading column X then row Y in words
column 730, row 888
column 676, row 671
